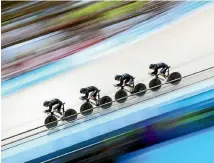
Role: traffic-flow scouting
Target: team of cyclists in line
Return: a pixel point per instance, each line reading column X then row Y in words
column 92, row 91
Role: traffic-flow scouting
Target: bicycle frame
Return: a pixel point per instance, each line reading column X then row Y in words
column 157, row 76
column 123, row 87
column 89, row 99
column 63, row 109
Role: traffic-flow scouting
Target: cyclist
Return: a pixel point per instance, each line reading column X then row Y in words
column 156, row 67
column 125, row 80
column 55, row 104
column 92, row 90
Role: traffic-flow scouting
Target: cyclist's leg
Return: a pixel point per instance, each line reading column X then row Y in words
column 61, row 108
column 92, row 95
column 167, row 71
column 57, row 107
column 126, row 82
column 95, row 94
column 132, row 82
column 163, row 70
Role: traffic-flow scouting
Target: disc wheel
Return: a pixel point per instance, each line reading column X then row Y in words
column 141, row 88
column 155, row 84
column 105, row 102
column 86, row 109
column 174, row 78
column 121, row 96
column 51, row 121
column 70, row 115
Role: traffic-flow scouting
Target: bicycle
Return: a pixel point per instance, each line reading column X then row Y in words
column 52, row 119
column 87, row 107
column 138, row 89
column 174, row 78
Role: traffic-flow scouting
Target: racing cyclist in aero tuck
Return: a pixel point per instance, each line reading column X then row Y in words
column 125, row 80
column 92, row 90
column 156, row 67
column 55, row 104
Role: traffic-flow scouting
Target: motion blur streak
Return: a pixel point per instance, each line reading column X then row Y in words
column 44, row 32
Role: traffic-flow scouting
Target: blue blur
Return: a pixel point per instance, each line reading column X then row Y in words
column 194, row 148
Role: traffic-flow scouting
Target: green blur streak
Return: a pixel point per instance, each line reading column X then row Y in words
column 124, row 10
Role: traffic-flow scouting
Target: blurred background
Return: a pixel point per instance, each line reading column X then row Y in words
column 35, row 33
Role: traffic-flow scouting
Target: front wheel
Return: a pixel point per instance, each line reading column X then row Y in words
column 139, row 89
column 174, row 78
column 70, row 115
column 51, row 121
column 155, row 84
column 86, row 109
column 121, row 96
column 105, row 102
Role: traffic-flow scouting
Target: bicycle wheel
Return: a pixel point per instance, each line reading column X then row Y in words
column 121, row 96
column 86, row 109
column 70, row 115
column 174, row 78
column 105, row 102
column 141, row 88
column 51, row 121
column 155, row 84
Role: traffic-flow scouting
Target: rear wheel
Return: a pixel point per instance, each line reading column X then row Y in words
column 51, row 121
column 105, row 102
column 70, row 115
column 174, row 78
column 121, row 96
column 155, row 84
column 86, row 109
column 141, row 88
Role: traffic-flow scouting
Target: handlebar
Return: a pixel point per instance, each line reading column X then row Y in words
column 119, row 87
column 47, row 112
column 82, row 98
column 115, row 85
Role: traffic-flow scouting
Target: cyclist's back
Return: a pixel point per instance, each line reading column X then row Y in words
column 162, row 65
column 92, row 89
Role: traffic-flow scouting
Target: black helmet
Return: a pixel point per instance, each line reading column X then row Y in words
column 117, row 77
column 46, row 103
column 151, row 66
column 83, row 90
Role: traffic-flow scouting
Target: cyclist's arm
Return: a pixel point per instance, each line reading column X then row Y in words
column 121, row 82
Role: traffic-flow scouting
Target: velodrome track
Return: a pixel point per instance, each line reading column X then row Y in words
column 196, row 28
column 198, row 87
